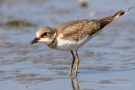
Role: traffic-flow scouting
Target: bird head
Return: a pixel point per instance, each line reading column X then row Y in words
column 44, row 35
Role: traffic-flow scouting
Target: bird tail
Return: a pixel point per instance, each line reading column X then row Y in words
column 106, row 20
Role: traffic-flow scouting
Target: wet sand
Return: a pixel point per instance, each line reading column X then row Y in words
column 107, row 61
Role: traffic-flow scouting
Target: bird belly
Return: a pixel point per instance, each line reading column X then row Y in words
column 68, row 45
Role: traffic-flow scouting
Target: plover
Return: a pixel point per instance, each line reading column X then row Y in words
column 72, row 35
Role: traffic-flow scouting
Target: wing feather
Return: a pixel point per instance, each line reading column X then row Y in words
column 80, row 28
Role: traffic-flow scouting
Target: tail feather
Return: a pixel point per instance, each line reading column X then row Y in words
column 106, row 20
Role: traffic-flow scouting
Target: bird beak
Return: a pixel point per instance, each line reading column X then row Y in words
column 35, row 40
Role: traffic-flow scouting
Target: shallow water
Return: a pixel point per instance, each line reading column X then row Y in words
column 107, row 61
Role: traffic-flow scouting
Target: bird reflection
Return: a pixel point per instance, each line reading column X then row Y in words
column 75, row 85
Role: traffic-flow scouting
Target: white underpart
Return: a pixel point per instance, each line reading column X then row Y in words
column 67, row 45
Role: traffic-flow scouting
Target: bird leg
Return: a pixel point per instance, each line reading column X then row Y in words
column 77, row 62
column 73, row 61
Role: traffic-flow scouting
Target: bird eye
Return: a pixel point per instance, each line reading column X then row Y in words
column 44, row 34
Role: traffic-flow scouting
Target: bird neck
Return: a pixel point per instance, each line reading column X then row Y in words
column 54, row 42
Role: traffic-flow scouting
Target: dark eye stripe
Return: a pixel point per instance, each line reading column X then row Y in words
column 44, row 34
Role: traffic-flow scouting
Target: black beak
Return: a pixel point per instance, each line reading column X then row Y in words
column 35, row 40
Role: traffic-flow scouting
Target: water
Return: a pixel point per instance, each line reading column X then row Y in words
column 107, row 61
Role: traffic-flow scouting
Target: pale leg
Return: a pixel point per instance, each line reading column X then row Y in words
column 77, row 63
column 73, row 61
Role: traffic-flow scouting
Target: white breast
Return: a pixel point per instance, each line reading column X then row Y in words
column 67, row 45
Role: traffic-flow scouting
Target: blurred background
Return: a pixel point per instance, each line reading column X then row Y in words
column 107, row 61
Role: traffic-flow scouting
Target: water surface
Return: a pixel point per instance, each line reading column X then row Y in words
column 107, row 61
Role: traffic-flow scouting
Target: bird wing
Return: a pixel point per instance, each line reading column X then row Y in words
column 76, row 30
column 80, row 28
